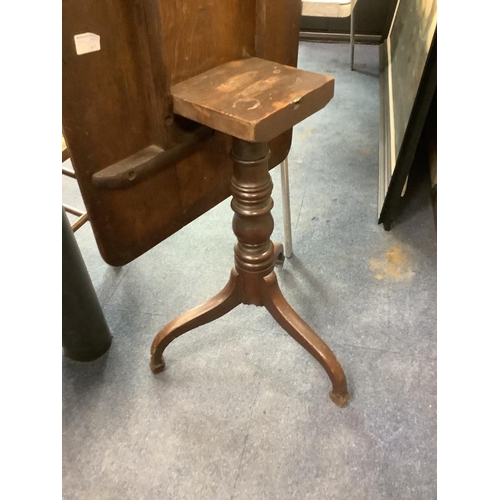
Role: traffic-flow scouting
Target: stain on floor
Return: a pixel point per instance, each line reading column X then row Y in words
column 394, row 265
column 306, row 133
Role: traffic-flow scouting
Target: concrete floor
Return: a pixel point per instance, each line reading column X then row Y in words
column 242, row 411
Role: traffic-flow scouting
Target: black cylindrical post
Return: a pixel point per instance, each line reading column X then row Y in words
column 85, row 333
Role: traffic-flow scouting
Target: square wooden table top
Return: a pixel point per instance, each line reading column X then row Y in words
column 252, row 99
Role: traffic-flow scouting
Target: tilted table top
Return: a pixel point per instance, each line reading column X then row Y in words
column 252, row 99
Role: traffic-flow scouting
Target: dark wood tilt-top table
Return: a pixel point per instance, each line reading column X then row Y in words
column 253, row 100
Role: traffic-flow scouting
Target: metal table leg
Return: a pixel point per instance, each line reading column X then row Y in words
column 352, row 38
column 287, row 224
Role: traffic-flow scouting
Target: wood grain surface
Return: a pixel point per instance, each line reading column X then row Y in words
column 252, row 99
column 116, row 103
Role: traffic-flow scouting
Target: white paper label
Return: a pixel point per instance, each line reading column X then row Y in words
column 87, row 42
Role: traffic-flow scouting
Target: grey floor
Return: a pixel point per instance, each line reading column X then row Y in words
column 242, row 411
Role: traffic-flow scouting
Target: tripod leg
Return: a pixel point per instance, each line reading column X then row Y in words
column 226, row 300
column 293, row 324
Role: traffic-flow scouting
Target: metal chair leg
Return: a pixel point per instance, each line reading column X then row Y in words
column 285, row 194
column 352, row 39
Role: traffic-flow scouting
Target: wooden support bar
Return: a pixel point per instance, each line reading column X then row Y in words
column 148, row 161
column 79, row 222
column 68, row 173
column 72, row 210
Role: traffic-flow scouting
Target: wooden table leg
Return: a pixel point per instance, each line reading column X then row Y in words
column 253, row 280
column 293, row 324
column 226, row 300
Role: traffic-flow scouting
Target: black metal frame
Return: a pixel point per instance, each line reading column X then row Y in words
column 390, row 206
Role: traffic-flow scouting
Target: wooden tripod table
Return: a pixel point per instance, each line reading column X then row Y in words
column 253, row 100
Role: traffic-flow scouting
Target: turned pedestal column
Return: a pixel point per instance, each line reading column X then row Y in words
column 254, row 100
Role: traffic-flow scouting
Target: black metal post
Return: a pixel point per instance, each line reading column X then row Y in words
column 85, row 333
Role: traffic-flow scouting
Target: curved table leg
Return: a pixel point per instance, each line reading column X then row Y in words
column 290, row 321
column 226, row 300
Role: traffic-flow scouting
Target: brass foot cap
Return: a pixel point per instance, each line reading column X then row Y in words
column 156, row 367
column 340, row 399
